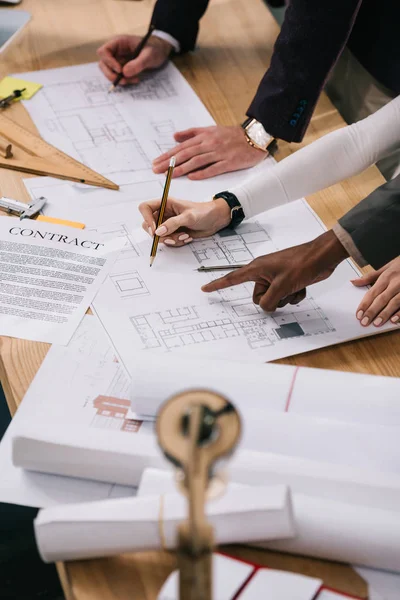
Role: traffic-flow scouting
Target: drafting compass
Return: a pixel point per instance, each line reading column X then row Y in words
column 195, row 429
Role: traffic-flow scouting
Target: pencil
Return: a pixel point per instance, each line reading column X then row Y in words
column 163, row 206
column 135, row 54
column 220, row 268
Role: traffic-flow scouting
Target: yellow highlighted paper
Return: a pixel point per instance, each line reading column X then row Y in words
column 9, row 84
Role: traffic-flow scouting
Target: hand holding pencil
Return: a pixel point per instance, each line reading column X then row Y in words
column 161, row 212
column 127, row 56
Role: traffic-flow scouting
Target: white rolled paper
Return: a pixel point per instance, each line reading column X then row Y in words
column 344, row 532
column 82, row 452
column 89, row 530
column 324, row 528
column 316, row 393
column 343, row 483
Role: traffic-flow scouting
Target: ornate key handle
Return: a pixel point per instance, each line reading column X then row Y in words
column 195, row 429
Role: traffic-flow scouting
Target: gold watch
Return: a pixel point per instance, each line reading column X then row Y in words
column 257, row 137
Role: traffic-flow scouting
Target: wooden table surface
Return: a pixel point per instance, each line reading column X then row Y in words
column 234, row 49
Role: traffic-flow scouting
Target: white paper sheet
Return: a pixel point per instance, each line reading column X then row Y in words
column 387, row 585
column 280, row 585
column 111, row 527
column 89, row 344
column 49, row 276
column 332, row 595
column 228, row 575
column 347, row 397
column 168, row 313
column 325, row 528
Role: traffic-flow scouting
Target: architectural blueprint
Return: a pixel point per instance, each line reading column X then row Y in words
column 162, row 309
column 116, row 134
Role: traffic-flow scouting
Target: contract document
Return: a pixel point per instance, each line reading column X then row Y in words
column 49, row 275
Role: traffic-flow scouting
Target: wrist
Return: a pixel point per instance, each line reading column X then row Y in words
column 163, row 45
column 221, row 213
column 327, row 250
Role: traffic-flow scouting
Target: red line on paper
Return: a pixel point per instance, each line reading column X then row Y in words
column 288, row 399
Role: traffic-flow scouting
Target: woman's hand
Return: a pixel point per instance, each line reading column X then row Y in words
column 382, row 301
column 185, row 220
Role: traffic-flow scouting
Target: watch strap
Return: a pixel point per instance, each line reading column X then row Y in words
column 237, row 212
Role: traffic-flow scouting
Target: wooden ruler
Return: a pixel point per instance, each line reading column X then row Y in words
column 31, row 154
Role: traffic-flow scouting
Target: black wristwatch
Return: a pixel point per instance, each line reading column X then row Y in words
column 237, row 212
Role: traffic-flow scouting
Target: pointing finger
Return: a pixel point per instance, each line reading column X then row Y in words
column 235, row 278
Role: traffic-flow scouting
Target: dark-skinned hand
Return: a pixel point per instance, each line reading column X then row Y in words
column 282, row 277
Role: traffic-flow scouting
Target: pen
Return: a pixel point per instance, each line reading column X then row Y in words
column 135, row 54
column 219, row 268
column 163, row 205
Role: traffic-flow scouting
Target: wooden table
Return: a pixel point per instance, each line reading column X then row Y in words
column 235, row 46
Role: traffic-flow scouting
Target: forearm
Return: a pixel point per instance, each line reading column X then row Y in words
column 313, row 35
column 370, row 231
column 332, row 158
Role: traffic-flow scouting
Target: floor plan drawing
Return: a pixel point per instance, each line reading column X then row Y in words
column 129, row 284
column 109, row 132
column 233, row 246
column 93, row 92
column 186, row 325
column 100, row 137
column 164, row 135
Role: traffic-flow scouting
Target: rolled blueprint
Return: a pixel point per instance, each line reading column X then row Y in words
column 120, row 457
column 110, row 527
column 86, row 453
column 319, row 393
column 324, row 528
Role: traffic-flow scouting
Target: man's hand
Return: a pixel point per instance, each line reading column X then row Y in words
column 209, row 151
column 115, row 57
column 185, row 220
column 382, row 301
column 281, row 278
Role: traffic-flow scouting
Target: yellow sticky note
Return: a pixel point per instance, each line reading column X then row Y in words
column 9, row 84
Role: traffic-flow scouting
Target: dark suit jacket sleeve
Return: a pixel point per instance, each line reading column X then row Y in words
column 312, row 37
column 180, row 18
column 372, row 228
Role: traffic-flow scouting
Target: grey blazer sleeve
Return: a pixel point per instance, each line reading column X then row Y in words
column 370, row 231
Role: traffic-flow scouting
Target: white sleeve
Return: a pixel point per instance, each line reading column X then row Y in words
column 163, row 35
column 336, row 156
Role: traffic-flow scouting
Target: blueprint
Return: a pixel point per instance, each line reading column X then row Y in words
column 163, row 310
column 116, row 134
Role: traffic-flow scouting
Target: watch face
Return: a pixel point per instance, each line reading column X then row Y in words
column 258, row 135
